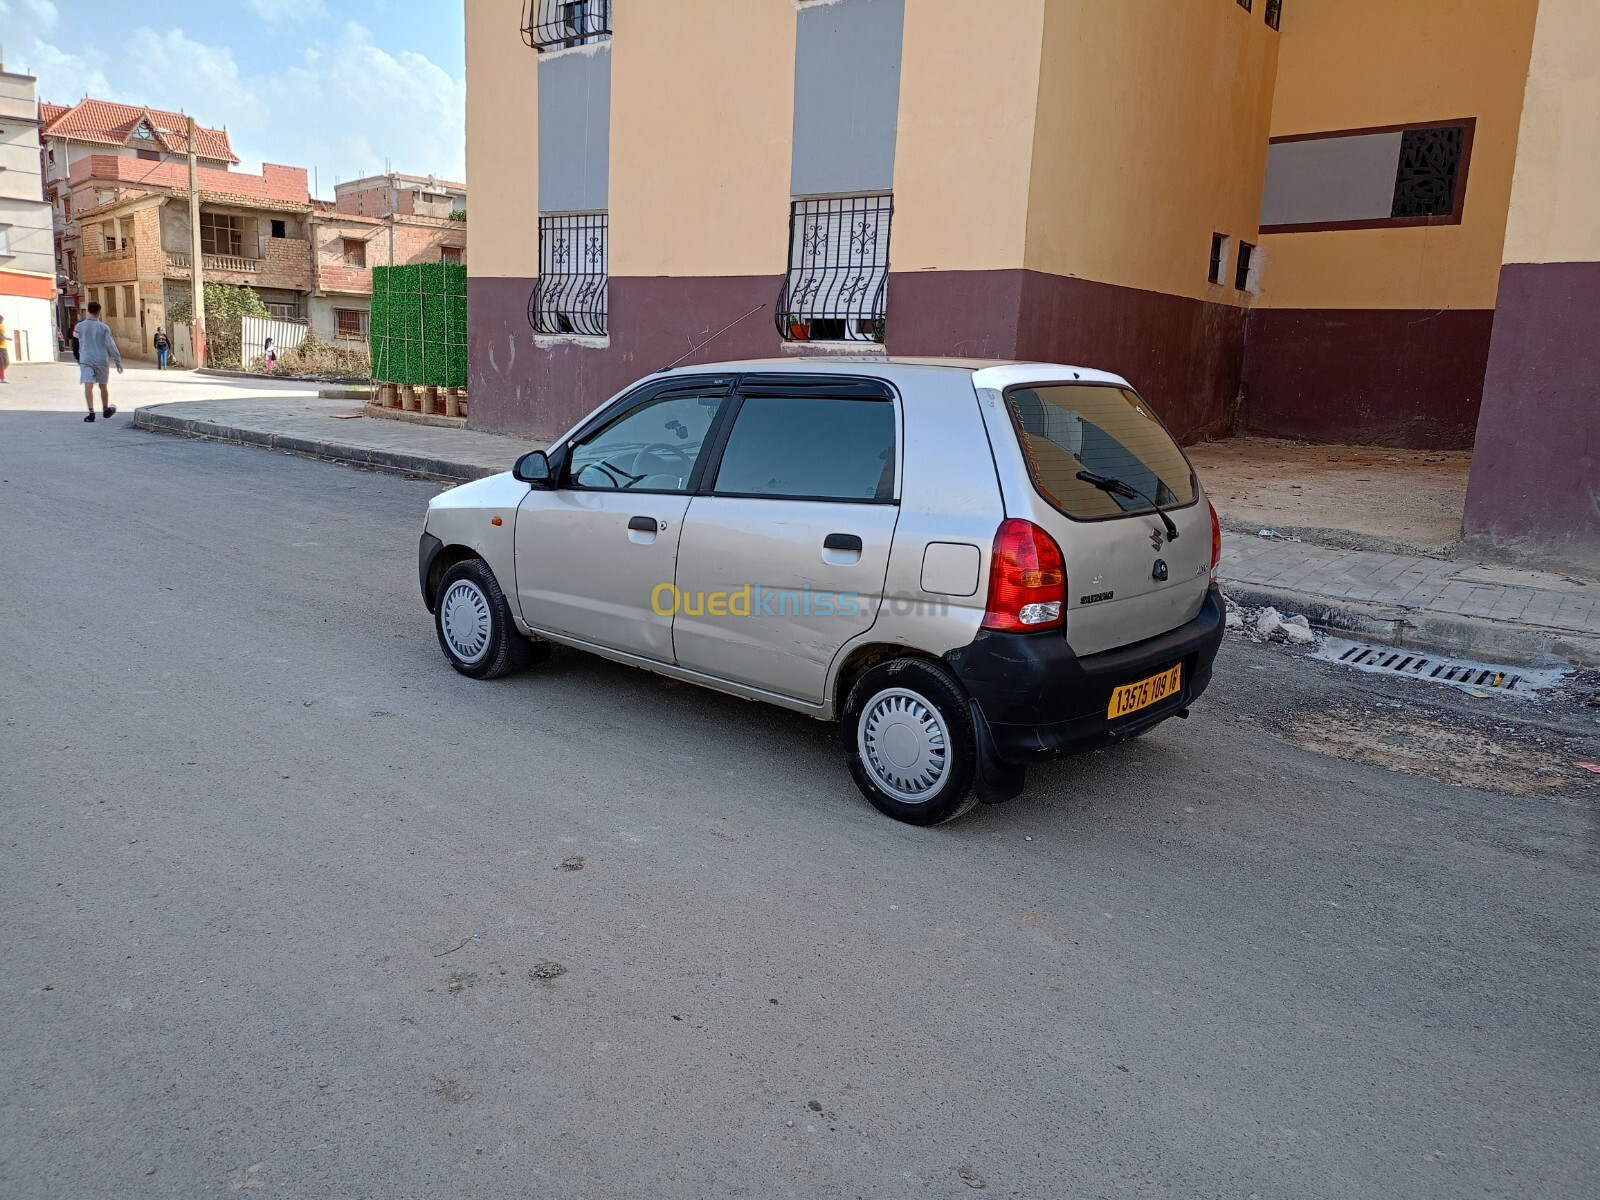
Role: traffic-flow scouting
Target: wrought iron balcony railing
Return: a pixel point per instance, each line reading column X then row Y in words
column 553, row 24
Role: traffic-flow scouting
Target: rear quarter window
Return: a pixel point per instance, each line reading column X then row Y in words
column 1070, row 427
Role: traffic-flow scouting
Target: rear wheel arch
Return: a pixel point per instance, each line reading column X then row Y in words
column 862, row 659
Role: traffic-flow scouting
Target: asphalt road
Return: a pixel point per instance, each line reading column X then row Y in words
column 250, row 814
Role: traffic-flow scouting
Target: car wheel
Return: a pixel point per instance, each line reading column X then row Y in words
column 474, row 624
column 909, row 742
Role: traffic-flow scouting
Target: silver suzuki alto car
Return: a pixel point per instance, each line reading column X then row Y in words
column 972, row 566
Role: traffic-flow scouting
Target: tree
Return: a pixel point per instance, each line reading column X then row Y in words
column 222, row 300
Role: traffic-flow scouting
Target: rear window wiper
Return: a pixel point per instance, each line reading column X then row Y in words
column 1120, row 487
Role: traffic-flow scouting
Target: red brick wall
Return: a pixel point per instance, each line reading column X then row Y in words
column 413, row 243
column 274, row 183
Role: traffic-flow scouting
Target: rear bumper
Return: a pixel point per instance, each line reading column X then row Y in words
column 1040, row 700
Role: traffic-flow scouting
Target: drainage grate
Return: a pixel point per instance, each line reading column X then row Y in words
column 1435, row 668
column 1397, row 662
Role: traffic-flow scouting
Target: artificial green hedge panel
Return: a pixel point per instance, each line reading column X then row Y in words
column 419, row 324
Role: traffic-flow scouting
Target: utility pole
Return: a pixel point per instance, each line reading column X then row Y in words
column 196, row 259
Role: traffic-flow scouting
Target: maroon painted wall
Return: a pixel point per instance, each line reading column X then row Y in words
column 516, row 387
column 1183, row 355
column 1535, row 483
column 1394, row 377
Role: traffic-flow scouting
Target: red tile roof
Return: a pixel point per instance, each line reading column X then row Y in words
column 112, row 124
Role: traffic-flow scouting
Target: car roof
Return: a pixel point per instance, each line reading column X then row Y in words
column 996, row 372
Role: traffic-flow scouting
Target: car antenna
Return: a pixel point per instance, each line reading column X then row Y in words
column 712, row 338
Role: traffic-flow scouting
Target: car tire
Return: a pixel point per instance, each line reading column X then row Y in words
column 474, row 624
column 909, row 742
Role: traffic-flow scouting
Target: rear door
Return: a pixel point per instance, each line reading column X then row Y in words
column 784, row 551
column 1127, row 580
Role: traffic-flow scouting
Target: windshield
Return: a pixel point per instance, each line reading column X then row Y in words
column 1110, row 431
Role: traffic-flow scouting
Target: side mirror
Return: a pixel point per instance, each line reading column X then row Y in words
column 533, row 468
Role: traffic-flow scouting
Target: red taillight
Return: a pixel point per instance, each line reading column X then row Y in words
column 1027, row 580
column 1216, row 542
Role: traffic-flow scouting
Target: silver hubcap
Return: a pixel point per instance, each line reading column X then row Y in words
column 903, row 746
column 464, row 617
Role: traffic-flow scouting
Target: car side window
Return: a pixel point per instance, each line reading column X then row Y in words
column 651, row 448
column 810, row 448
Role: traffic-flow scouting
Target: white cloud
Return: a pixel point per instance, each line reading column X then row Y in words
column 26, row 27
column 341, row 103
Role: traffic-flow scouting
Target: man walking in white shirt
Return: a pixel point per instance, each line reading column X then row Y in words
column 97, row 350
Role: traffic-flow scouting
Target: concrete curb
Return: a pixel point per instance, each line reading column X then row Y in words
column 1420, row 629
column 396, row 461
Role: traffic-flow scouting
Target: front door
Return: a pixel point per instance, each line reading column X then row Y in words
column 783, row 558
column 594, row 553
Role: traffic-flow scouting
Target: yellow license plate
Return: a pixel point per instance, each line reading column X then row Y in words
column 1131, row 697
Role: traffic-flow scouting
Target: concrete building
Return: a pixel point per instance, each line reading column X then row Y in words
column 118, row 179
column 27, row 261
column 1275, row 216
column 404, row 195
column 376, row 223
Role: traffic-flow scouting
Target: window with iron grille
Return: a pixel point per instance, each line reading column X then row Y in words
column 1245, row 4
column 571, row 294
column 1274, row 13
column 837, row 286
column 1241, row 273
column 553, row 24
column 1426, row 176
column 350, row 322
column 1219, row 257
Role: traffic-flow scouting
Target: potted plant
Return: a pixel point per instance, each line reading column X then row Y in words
column 799, row 330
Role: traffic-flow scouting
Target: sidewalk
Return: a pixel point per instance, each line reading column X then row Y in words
column 1490, row 612
column 337, row 430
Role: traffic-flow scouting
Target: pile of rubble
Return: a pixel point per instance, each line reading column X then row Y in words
column 1268, row 624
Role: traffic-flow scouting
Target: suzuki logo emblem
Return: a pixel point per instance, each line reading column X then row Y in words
column 1155, row 539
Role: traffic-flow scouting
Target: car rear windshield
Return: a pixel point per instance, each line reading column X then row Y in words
column 1065, row 428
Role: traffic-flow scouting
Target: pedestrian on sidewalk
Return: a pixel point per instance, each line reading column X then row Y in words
column 97, row 350
column 5, row 350
column 163, row 346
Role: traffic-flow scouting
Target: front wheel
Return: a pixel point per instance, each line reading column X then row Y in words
column 474, row 624
column 909, row 742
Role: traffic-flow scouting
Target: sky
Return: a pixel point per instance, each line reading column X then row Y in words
column 335, row 85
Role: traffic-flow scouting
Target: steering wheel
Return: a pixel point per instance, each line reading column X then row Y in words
column 660, row 450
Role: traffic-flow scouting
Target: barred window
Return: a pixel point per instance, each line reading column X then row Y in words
column 1425, row 180
column 553, row 24
column 571, row 294
column 1274, row 13
column 837, row 286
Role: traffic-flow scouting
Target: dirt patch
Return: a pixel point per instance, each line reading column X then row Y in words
column 1450, row 752
column 462, row 980
column 546, row 971
column 449, row 1089
column 1271, row 483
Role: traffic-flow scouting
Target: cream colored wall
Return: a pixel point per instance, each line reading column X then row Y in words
column 964, row 145
column 702, row 111
column 502, row 143
column 1553, row 215
column 1151, row 136
column 1352, row 64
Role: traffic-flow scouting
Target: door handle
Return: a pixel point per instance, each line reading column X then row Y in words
column 842, row 541
column 642, row 524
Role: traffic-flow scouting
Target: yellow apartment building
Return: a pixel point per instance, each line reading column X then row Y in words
column 1303, row 218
